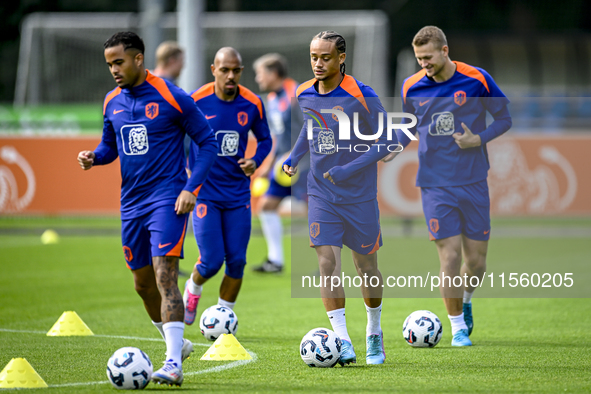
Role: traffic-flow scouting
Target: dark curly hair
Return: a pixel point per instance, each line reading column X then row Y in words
column 126, row 38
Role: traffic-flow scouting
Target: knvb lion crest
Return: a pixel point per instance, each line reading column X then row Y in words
column 230, row 141
column 338, row 108
column 442, row 124
column 314, row 229
column 201, row 211
column 242, row 118
column 460, row 97
column 138, row 140
column 434, row 225
column 152, row 110
column 135, row 139
column 127, row 253
column 325, row 142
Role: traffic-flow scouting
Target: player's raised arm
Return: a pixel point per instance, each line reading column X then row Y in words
column 372, row 156
column 300, row 148
column 261, row 131
column 496, row 103
column 105, row 152
column 197, row 127
column 377, row 152
column 501, row 124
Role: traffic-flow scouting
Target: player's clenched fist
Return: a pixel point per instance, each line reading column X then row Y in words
column 289, row 170
column 86, row 159
column 248, row 166
column 185, row 202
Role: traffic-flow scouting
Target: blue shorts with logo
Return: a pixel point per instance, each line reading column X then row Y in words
column 455, row 210
column 222, row 231
column 355, row 225
column 160, row 232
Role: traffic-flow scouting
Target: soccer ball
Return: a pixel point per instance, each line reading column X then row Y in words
column 321, row 347
column 217, row 320
column 422, row 329
column 129, row 369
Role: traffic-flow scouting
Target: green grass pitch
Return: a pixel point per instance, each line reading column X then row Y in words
column 520, row 345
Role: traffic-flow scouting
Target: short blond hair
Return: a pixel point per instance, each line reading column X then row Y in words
column 166, row 51
column 430, row 34
column 272, row 62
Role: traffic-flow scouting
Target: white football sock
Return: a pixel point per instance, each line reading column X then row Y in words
column 467, row 297
column 174, row 331
column 160, row 329
column 457, row 323
column 193, row 287
column 374, row 316
column 227, row 304
column 273, row 231
column 339, row 323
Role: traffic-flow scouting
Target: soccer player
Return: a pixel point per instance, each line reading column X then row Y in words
column 145, row 121
column 342, row 186
column 450, row 100
column 170, row 60
column 222, row 217
column 271, row 76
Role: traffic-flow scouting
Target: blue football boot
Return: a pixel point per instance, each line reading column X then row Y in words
column 467, row 308
column 375, row 349
column 461, row 338
column 347, row 353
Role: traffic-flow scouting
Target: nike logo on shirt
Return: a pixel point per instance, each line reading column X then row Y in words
column 210, row 116
column 115, row 111
column 423, row 103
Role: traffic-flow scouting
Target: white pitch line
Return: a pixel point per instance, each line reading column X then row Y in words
column 143, row 339
column 22, row 331
column 77, row 384
column 219, row 368
column 14, row 242
column 100, row 336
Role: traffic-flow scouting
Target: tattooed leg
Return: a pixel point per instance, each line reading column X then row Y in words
column 166, row 269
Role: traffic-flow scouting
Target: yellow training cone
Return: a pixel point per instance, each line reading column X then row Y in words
column 69, row 324
column 226, row 347
column 18, row 373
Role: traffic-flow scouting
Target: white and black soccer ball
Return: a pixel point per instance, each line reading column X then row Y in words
column 422, row 329
column 217, row 320
column 321, row 347
column 129, row 369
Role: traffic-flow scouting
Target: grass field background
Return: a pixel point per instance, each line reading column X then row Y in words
column 520, row 345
